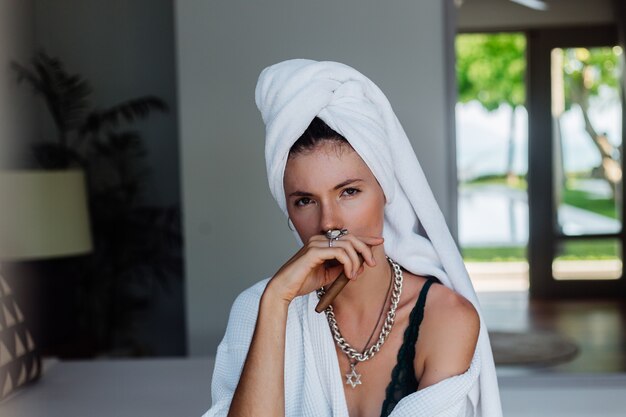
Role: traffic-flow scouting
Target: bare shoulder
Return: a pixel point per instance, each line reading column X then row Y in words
column 452, row 309
column 448, row 336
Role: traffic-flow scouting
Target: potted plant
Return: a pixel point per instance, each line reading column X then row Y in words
column 137, row 249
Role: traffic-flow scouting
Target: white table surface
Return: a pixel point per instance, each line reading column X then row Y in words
column 181, row 387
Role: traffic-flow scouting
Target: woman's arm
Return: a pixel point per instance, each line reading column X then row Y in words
column 261, row 390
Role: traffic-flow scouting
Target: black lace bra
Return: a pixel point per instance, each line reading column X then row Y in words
column 403, row 381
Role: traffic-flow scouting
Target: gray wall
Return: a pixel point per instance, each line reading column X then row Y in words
column 235, row 234
column 17, row 41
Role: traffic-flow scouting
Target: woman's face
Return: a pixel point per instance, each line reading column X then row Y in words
column 330, row 187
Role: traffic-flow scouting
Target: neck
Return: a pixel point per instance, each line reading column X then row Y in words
column 364, row 297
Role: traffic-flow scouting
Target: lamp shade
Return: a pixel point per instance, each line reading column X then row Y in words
column 43, row 214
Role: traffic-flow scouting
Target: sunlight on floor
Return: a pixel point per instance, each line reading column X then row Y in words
column 498, row 276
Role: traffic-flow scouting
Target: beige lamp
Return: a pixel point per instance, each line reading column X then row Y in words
column 43, row 214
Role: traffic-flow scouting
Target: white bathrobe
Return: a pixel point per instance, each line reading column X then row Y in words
column 313, row 380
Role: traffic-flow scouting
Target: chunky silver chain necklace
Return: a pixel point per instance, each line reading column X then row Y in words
column 353, row 378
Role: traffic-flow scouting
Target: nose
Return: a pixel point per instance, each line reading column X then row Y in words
column 329, row 218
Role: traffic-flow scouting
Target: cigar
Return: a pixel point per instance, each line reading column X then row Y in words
column 334, row 290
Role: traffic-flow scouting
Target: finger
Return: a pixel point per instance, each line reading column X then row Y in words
column 318, row 238
column 323, row 254
column 372, row 240
column 348, row 246
column 363, row 245
column 365, row 249
column 352, row 252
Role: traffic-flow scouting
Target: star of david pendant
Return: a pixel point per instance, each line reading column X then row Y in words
column 353, row 378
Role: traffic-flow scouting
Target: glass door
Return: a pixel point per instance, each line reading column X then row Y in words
column 492, row 159
column 575, row 169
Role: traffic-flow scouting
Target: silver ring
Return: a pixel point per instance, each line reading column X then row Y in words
column 335, row 234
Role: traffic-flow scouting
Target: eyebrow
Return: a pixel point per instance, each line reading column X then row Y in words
column 336, row 187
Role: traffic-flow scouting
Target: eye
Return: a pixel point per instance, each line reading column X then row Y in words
column 301, row 202
column 351, row 191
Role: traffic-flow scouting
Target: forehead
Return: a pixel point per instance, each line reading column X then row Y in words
column 323, row 167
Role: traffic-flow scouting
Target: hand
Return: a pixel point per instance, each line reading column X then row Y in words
column 310, row 268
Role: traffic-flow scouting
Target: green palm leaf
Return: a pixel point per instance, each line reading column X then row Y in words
column 129, row 111
column 65, row 94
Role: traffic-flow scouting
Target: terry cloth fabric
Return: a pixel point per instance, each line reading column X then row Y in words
column 290, row 94
column 313, row 380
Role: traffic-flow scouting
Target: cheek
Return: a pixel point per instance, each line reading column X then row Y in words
column 368, row 219
column 304, row 222
column 378, row 213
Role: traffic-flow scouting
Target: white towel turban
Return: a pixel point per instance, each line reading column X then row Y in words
column 291, row 93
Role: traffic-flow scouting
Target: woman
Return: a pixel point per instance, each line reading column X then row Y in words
column 392, row 344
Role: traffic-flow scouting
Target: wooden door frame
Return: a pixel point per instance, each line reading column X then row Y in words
column 542, row 214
